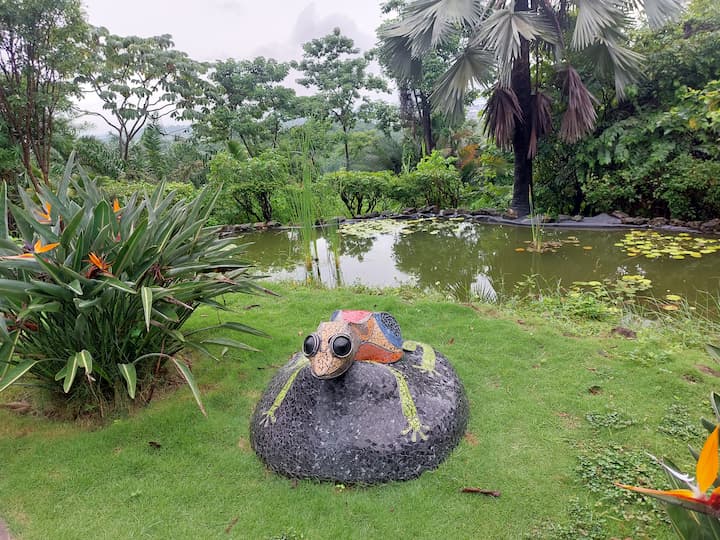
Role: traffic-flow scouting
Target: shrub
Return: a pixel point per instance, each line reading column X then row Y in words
column 360, row 191
column 435, row 182
column 248, row 186
column 94, row 298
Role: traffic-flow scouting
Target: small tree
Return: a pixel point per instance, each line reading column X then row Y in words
column 40, row 44
column 138, row 79
column 331, row 66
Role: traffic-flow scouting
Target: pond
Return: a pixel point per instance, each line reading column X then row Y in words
column 467, row 259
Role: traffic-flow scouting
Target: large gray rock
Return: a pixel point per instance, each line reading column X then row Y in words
column 360, row 427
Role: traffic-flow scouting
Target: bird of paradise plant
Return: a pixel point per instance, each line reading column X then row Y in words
column 694, row 496
column 693, row 508
column 105, row 290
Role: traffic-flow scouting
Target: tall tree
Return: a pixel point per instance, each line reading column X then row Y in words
column 499, row 36
column 331, row 65
column 415, row 80
column 40, row 51
column 138, row 79
column 248, row 101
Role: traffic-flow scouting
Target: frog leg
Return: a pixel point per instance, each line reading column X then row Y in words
column 269, row 415
column 415, row 427
column 428, row 358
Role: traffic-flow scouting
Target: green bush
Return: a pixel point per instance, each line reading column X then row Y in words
column 94, row 296
column 121, row 189
column 435, row 182
column 248, row 187
column 360, row 191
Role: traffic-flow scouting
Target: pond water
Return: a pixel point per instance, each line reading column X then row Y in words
column 477, row 259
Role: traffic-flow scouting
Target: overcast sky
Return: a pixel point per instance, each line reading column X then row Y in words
column 218, row 29
column 209, row 30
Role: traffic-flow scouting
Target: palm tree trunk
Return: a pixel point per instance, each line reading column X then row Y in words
column 521, row 85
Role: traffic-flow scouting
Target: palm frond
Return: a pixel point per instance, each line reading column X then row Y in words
column 612, row 59
column 579, row 118
column 428, row 23
column 502, row 32
column 395, row 52
column 472, row 66
column 502, row 112
column 540, row 120
column 659, row 12
column 593, row 18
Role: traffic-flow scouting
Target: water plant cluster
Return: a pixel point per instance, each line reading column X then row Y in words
column 654, row 245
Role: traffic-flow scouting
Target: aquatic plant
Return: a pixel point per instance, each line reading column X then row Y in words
column 654, row 245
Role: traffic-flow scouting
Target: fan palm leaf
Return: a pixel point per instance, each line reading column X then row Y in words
column 540, row 120
column 502, row 113
column 472, row 66
column 396, row 52
column 428, row 23
column 659, row 12
column 502, row 32
column 579, row 118
column 593, row 18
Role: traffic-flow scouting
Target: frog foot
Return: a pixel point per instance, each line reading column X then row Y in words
column 428, row 357
column 268, row 418
column 415, row 429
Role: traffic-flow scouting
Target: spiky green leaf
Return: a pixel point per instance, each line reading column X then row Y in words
column 129, row 373
column 184, row 370
column 15, row 372
column 146, row 295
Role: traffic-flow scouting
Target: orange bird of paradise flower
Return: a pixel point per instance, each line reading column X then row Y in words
column 116, row 205
column 99, row 266
column 696, row 498
column 44, row 214
column 37, row 249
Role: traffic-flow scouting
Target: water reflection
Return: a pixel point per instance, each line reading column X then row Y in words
column 469, row 259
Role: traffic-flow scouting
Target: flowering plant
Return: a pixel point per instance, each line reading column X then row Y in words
column 94, row 296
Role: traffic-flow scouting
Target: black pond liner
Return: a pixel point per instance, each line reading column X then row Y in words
column 350, row 429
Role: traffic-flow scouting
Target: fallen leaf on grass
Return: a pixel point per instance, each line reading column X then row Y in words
column 624, row 332
column 155, row 444
column 20, row 407
column 595, row 390
column 708, row 370
column 232, row 524
column 471, row 439
column 490, row 492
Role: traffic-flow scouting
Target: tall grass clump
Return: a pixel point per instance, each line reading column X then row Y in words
column 303, row 208
column 94, row 294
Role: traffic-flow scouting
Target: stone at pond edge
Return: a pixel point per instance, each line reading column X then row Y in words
column 350, row 429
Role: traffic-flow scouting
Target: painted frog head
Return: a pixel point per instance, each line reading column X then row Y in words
column 331, row 349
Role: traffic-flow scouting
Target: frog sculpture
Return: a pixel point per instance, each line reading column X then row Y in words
column 333, row 411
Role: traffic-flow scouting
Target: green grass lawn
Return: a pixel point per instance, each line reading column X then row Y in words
column 559, row 409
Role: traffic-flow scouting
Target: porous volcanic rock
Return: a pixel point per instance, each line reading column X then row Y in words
column 353, row 429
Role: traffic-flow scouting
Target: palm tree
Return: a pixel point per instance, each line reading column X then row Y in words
column 498, row 36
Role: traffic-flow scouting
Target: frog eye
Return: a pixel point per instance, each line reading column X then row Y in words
column 311, row 345
column 340, row 345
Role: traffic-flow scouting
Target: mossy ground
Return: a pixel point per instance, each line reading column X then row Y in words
column 560, row 408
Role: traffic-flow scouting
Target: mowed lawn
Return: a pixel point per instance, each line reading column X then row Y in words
column 549, row 401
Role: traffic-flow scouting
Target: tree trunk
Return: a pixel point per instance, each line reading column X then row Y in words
column 521, row 85
column 427, row 123
column 347, row 150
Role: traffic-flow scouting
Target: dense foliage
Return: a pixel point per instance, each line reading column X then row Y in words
column 657, row 154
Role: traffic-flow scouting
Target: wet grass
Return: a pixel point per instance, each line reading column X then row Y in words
column 559, row 409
